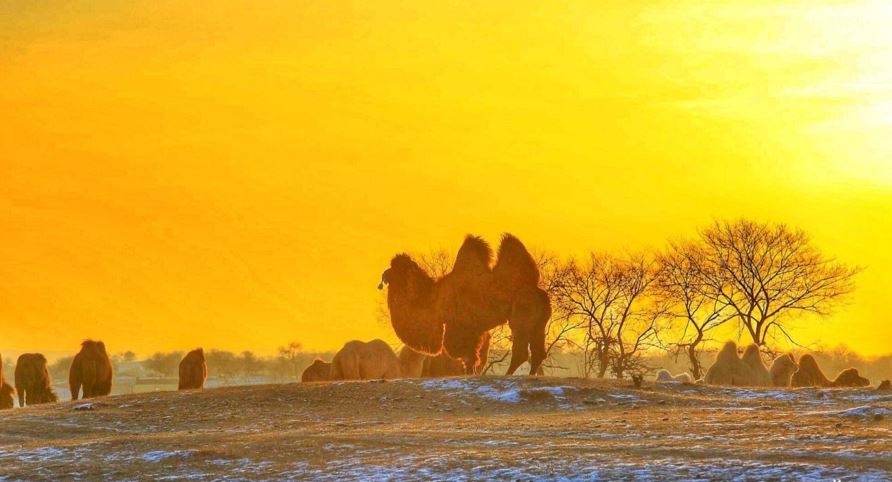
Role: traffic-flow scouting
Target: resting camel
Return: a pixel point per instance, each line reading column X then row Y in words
column 359, row 360
column 753, row 359
column 849, row 378
column 453, row 312
column 193, row 370
column 32, row 380
column 809, row 374
column 782, row 370
column 729, row 369
column 319, row 371
column 92, row 370
column 664, row 376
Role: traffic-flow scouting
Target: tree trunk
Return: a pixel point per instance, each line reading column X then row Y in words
column 696, row 368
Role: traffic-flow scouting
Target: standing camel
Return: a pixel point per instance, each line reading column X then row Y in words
column 452, row 313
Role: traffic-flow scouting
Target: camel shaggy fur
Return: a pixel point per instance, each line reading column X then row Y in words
column 358, row 360
column 452, row 313
column 319, row 371
column 809, row 374
column 7, row 393
column 729, row 369
column 193, row 370
column 850, row 378
column 92, row 370
column 7, row 396
column 412, row 363
column 753, row 359
column 664, row 376
column 782, row 370
column 32, row 380
column 419, row 365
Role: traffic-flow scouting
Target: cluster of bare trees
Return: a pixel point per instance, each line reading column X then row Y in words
column 752, row 278
column 748, row 276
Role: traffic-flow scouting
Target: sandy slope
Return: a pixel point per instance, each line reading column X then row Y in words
column 479, row 428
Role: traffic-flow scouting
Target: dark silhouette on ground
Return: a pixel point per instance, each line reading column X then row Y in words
column 319, row 371
column 32, row 380
column 92, row 370
column 193, row 370
column 885, row 385
column 849, row 378
column 453, row 312
column 7, row 396
column 7, row 393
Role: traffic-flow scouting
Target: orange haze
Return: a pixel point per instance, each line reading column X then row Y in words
column 237, row 174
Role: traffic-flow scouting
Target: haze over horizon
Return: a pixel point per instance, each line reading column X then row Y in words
column 177, row 174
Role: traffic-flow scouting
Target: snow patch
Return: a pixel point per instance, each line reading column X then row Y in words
column 864, row 411
column 159, row 455
column 505, row 392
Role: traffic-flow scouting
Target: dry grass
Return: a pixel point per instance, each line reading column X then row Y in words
column 477, row 428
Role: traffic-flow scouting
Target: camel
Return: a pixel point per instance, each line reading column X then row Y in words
column 452, row 313
column 7, row 393
column 358, row 360
column 193, row 370
column 849, row 378
column 7, row 396
column 319, row 371
column 729, row 369
column 664, row 376
column 809, row 374
column 92, row 370
column 32, row 380
column 412, row 363
column 753, row 359
column 419, row 365
column 782, row 370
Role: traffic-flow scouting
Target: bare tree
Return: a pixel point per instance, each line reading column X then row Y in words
column 164, row 364
column 588, row 295
column 637, row 317
column 563, row 330
column 682, row 286
column 766, row 271
column 613, row 299
column 291, row 353
column 223, row 364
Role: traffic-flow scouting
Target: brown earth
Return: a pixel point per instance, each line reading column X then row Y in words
column 458, row 428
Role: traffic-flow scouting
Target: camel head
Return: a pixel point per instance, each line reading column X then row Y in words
column 401, row 272
column 385, row 278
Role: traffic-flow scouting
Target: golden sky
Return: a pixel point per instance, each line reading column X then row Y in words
column 237, row 174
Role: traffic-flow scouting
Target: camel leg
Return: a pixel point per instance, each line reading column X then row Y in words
column 520, row 351
column 537, row 351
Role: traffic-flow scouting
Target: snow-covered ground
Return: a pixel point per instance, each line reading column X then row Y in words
column 489, row 428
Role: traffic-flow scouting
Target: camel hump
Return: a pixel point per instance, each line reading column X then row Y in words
column 515, row 266
column 474, row 257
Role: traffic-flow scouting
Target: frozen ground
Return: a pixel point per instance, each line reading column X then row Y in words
column 457, row 429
